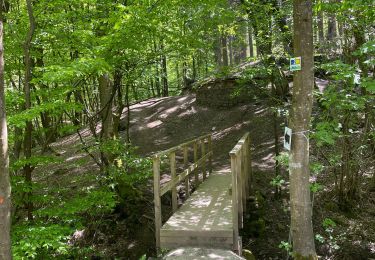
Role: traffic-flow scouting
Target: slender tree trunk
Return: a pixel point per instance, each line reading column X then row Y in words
column 194, row 69
column 321, row 27
column 230, row 47
column 178, row 76
column 331, row 31
column 5, row 189
column 164, row 72
column 106, row 102
column 251, row 43
column 157, row 74
column 127, row 102
column 117, row 85
column 217, row 51
column 224, row 50
column 301, row 209
column 27, row 169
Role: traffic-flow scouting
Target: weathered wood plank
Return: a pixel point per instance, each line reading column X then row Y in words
column 209, row 208
column 172, row 160
column 204, row 170
column 210, row 158
column 180, row 146
column 201, row 253
column 233, row 158
column 239, row 188
column 192, row 168
column 199, row 233
column 157, row 201
column 196, row 174
column 191, row 241
column 239, row 145
column 187, row 179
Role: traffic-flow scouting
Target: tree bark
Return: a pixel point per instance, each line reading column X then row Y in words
column 106, row 101
column 224, row 50
column 5, row 189
column 164, row 72
column 217, row 50
column 331, row 31
column 27, row 169
column 301, row 209
column 251, row 43
column 321, row 27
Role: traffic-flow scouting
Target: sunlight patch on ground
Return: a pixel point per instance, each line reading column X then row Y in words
column 75, row 157
column 154, row 124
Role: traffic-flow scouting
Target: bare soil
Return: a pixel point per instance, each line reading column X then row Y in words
column 158, row 124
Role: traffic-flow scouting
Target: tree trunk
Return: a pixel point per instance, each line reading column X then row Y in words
column 301, row 209
column 5, row 189
column 331, row 31
column 225, row 50
column 251, row 43
column 217, row 50
column 231, row 50
column 117, row 86
column 105, row 97
column 178, row 85
column 321, row 27
column 27, row 169
column 164, row 72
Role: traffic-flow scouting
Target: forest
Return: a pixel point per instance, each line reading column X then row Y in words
column 91, row 90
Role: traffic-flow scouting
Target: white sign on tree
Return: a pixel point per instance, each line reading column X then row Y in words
column 288, row 138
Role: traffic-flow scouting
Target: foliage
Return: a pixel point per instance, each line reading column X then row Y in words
column 331, row 239
column 38, row 241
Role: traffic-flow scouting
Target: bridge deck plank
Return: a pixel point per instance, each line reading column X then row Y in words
column 206, row 217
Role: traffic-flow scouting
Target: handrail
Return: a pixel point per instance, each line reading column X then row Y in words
column 180, row 146
column 241, row 183
column 199, row 162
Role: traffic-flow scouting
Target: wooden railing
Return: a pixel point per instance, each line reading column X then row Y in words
column 201, row 149
column 241, row 183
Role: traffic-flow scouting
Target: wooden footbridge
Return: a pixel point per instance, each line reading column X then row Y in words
column 212, row 211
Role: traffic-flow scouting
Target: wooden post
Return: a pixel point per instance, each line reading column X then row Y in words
column 157, row 201
column 172, row 159
column 195, row 161
column 203, row 147
column 210, row 151
column 187, row 179
column 239, row 188
column 243, row 176
column 234, row 203
column 251, row 179
column 246, row 160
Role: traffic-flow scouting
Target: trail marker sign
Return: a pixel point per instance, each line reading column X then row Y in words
column 295, row 64
column 287, row 138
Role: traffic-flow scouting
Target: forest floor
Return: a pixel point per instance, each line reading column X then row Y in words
column 158, row 124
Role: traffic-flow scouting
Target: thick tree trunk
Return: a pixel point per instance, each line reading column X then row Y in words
column 301, row 209
column 27, row 169
column 5, row 189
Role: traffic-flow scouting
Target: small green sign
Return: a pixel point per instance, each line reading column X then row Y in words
column 295, row 63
